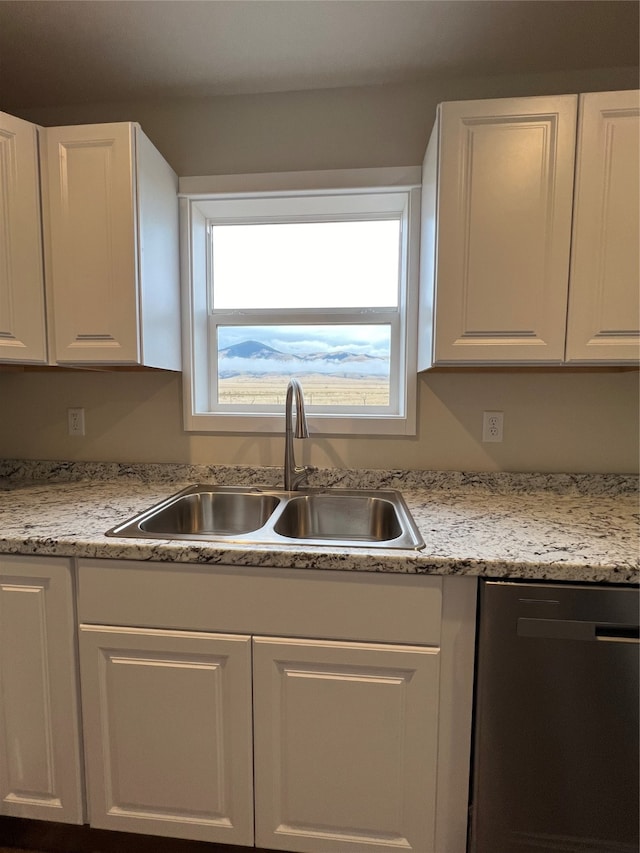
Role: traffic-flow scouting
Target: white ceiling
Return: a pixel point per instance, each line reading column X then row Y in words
column 55, row 52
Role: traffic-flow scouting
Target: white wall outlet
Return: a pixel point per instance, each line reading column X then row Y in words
column 492, row 424
column 75, row 421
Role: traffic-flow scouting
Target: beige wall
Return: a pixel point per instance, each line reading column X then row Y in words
column 324, row 129
column 561, row 421
column 553, row 422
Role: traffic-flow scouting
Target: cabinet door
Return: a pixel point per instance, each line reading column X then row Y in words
column 604, row 305
column 345, row 746
column 167, row 722
column 505, row 189
column 40, row 770
column 92, row 241
column 22, row 313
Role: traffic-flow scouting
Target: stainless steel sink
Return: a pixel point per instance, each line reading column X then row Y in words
column 356, row 518
column 330, row 517
column 217, row 513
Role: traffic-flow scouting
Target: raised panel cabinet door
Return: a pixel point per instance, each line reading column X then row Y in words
column 40, row 766
column 505, row 190
column 345, row 741
column 604, row 291
column 91, row 218
column 167, row 723
column 22, row 311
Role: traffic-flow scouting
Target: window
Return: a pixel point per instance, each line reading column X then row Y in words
column 319, row 284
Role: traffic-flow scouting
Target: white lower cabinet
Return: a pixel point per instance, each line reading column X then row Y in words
column 40, row 765
column 298, row 710
column 345, row 745
column 167, row 718
column 333, row 706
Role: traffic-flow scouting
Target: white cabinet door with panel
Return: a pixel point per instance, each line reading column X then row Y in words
column 111, row 229
column 345, row 746
column 496, row 230
column 167, row 725
column 22, row 306
column 604, row 291
column 40, row 765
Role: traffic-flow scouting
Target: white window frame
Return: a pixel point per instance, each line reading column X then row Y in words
column 223, row 198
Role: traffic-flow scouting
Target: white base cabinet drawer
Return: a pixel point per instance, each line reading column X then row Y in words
column 361, row 606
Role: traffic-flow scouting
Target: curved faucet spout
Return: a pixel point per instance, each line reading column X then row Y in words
column 294, row 474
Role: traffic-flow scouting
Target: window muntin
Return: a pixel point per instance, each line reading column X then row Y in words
column 207, row 323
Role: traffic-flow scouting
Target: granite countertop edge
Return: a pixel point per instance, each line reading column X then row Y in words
column 561, row 527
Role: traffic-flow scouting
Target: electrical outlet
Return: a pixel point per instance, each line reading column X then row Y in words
column 492, row 424
column 75, row 421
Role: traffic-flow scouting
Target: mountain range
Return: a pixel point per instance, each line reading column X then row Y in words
column 255, row 358
column 258, row 350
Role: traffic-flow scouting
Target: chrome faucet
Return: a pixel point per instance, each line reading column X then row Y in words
column 294, row 474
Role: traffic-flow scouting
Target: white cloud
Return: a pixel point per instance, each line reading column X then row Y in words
column 370, row 340
column 269, row 367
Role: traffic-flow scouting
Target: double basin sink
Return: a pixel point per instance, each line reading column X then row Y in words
column 334, row 517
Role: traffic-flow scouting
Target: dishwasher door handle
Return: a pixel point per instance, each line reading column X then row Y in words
column 617, row 634
column 574, row 629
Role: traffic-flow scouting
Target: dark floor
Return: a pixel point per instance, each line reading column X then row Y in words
column 36, row 836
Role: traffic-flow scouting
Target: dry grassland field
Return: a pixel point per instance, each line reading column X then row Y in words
column 318, row 390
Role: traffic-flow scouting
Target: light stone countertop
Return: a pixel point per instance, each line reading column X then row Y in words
column 534, row 526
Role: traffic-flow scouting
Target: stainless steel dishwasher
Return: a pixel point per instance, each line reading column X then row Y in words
column 556, row 754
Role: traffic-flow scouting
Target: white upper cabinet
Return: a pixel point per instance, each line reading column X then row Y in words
column 22, row 307
column 499, row 182
column 604, row 308
column 498, row 198
column 111, row 231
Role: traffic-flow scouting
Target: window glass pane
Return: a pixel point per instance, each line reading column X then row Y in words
column 306, row 264
column 336, row 365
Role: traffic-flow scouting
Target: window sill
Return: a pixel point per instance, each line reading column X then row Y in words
column 319, row 425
